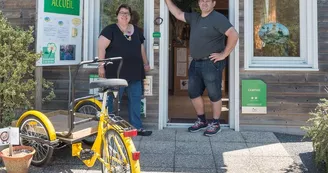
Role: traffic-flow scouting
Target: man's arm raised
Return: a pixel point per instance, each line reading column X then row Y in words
column 177, row 13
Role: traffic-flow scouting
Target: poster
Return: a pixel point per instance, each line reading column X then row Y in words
column 148, row 86
column 184, row 84
column 182, row 54
column 181, row 69
column 59, row 36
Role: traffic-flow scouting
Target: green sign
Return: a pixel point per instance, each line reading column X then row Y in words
column 71, row 7
column 93, row 76
column 48, row 54
column 156, row 34
column 254, row 97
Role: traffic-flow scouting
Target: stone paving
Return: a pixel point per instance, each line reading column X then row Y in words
column 176, row 150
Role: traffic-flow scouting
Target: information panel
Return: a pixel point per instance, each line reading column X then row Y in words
column 59, row 32
column 254, row 97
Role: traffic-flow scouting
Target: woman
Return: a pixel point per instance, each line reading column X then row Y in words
column 125, row 40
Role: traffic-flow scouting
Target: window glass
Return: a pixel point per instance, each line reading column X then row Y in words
column 108, row 12
column 276, row 28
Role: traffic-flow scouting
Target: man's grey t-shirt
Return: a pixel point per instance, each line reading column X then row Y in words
column 207, row 34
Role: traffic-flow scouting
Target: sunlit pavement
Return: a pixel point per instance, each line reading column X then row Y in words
column 176, row 150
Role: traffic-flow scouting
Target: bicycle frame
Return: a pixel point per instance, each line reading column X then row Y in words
column 71, row 121
column 103, row 126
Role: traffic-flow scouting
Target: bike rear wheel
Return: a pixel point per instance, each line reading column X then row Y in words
column 89, row 108
column 118, row 154
column 34, row 127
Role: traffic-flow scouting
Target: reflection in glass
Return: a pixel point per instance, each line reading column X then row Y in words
column 108, row 12
column 276, row 28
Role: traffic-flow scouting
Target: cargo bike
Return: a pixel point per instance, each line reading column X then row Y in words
column 111, row 136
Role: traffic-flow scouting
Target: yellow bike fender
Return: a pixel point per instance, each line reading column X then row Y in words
column 44, row 119
column 93, row 100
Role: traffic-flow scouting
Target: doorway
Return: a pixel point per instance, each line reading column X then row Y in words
column 180, row 109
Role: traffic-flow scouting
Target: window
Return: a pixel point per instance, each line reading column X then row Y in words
column 100, row 13
column 281, row 35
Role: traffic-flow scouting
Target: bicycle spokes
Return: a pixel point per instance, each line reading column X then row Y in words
column 115, row 153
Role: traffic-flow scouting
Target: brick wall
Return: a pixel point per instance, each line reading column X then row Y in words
column 19, row 12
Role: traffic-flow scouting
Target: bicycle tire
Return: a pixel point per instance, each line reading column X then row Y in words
column 49, row 150
column 80, row 108
column 127, row 147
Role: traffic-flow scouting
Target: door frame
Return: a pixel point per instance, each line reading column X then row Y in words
column 234, row 101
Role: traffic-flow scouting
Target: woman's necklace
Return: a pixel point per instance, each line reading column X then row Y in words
column 126, row 33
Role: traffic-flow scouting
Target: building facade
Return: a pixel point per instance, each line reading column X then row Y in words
column 282, row 43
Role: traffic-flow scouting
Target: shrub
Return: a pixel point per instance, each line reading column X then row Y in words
column 318, row 132
column 17, row 64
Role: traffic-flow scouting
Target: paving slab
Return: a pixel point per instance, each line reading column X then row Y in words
column 137, row 144
column 276, row 164
column 203, row 161
column 156, row 170
column 259, row 137
column 230, row 149
column 66, row 169
column 301, row 164
column 32, row 169
column 161, row 135
column 193, row 148
column 227, row 135
column 136, row 138
column 156, row 160
column 296, row 148
column 267, row 149
column 235, row 164
column 64, row 156
column 185, row 136
column 93, row 171
column 194, row 170
column 157, row 147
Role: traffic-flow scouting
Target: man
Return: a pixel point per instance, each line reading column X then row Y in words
column 209, row 52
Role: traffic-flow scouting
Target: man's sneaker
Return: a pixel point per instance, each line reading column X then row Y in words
column 212, row 129
column 199, row 125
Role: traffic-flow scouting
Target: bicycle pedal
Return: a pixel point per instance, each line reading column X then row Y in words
column 86, row 154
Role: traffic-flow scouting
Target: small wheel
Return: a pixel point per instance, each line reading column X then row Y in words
column 34, row 127
column 115, row 153
column 89, row 108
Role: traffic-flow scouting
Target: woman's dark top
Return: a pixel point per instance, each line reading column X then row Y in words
column 130, row 51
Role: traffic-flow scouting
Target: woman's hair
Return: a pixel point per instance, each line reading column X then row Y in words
column 123, row 6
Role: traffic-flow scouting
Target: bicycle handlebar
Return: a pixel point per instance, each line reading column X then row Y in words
column 96, row 60
column 107, row 61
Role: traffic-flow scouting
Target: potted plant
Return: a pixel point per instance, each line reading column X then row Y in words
column 17, row 159
column 318, row 132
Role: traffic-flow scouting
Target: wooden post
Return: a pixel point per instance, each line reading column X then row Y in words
column 10, row 145
column 38, row 88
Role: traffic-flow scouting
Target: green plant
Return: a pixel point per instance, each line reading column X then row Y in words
column 17, row 64
column 318, row 132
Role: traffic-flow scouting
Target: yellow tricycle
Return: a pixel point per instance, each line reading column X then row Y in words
column 112, row 146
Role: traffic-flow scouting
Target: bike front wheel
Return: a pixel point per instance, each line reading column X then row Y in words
column 118, row 154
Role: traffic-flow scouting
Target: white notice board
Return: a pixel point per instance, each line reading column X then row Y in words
column 59, row 32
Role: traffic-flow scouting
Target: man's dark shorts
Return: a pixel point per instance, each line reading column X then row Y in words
column 205, row 74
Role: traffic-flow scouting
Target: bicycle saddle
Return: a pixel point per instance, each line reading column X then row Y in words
column 108, row 83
